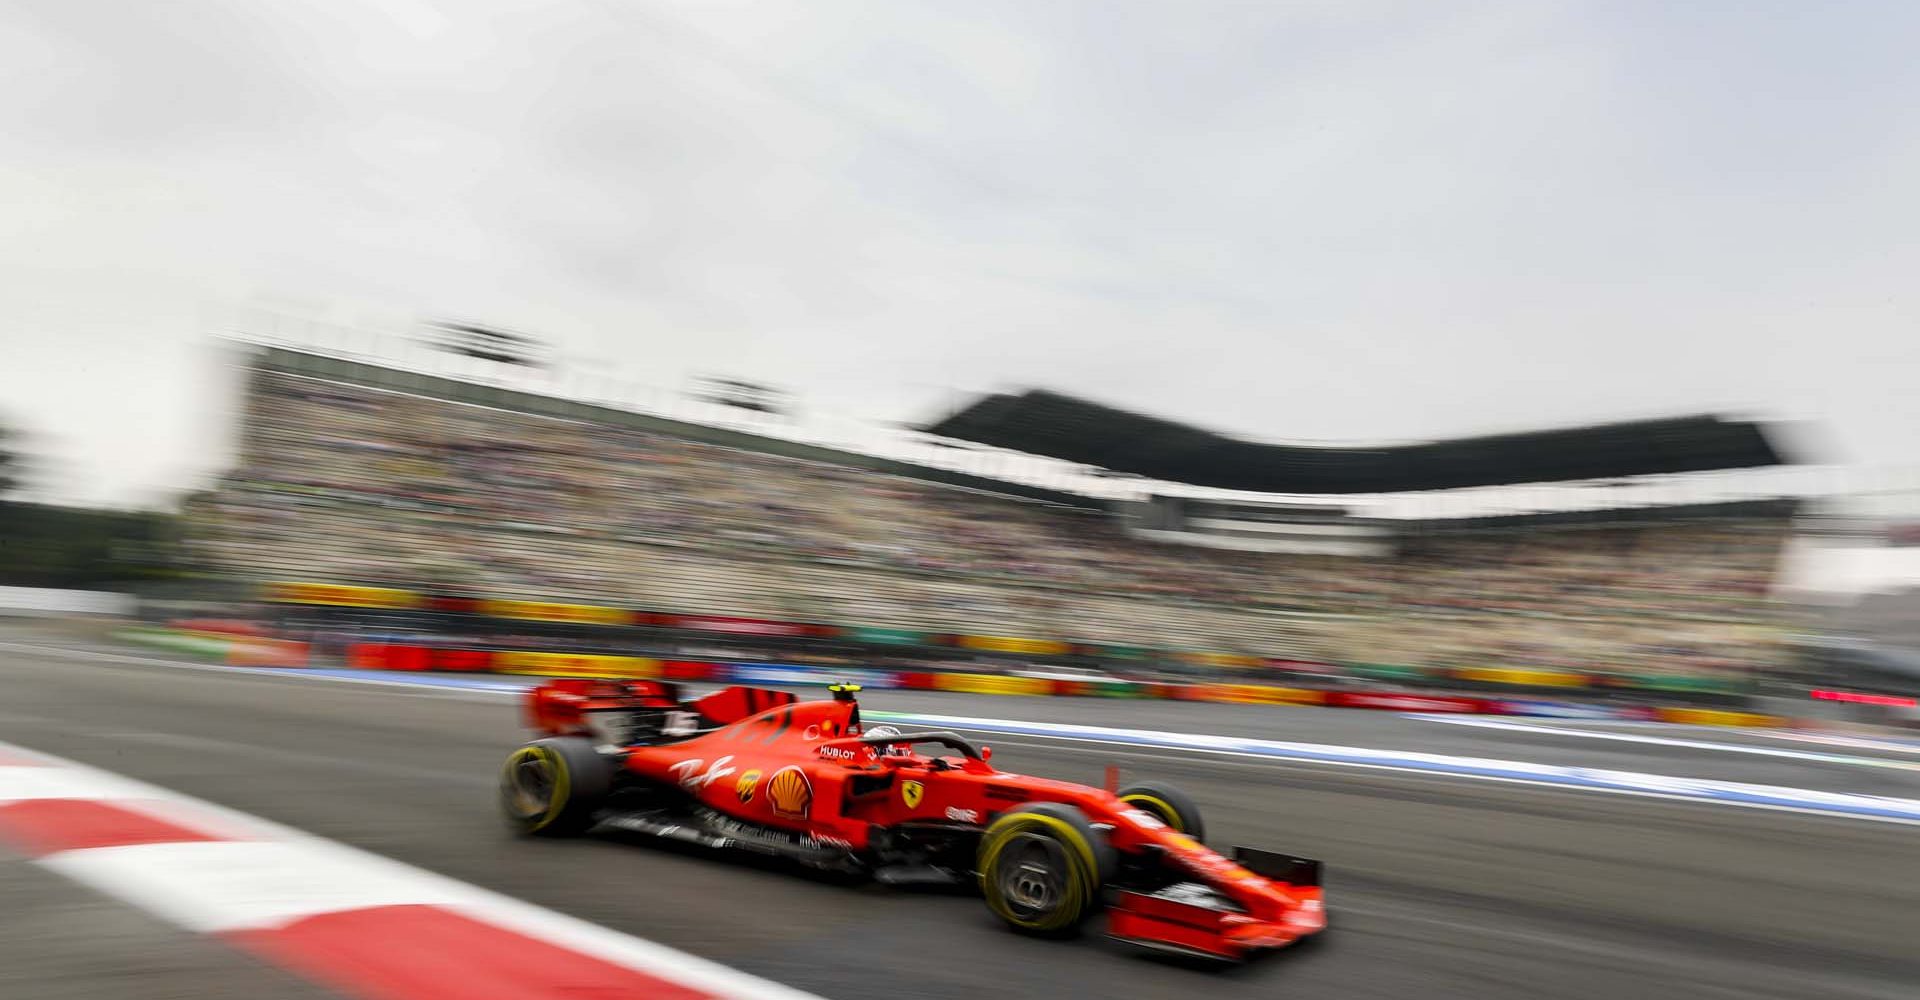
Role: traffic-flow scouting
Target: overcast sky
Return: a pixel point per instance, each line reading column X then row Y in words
column 1321, row 220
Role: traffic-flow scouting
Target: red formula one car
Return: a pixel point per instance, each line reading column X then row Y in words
column 758, row 770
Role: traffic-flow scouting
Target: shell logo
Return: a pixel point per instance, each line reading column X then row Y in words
column 790, row 793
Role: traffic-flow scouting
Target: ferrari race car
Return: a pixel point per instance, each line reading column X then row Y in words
column 758, row 770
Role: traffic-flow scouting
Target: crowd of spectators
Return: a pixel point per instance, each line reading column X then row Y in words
column 345, row 484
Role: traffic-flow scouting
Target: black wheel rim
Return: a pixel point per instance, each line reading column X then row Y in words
column 1032, row 876
column 530, row 782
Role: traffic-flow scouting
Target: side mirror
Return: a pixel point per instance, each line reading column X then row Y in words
column 986, row 753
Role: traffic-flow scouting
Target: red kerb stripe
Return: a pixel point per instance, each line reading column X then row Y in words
column 430, row 953
column 44, row 826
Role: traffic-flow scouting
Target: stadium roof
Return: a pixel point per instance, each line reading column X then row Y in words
column 1075, row 430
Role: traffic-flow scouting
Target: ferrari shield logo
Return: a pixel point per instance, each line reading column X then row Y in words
column 911, row 793
column 744, row 787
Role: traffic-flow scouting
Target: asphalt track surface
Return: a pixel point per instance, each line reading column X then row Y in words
column 1438, row 886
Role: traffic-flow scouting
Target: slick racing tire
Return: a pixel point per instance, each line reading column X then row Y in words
column 552, row 787
column 1167, row 804
column 1041, row 867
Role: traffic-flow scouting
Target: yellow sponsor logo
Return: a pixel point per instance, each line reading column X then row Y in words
column 1262, row 694
column 911, row 792
column 1522, row 678
column 574, row 665
column 992, row 684
column 790, row 793
column 1014, row 644
column 339, row 595
column 1222, row 659
column 744, row 787
column 543, row 611
column 1717, row 717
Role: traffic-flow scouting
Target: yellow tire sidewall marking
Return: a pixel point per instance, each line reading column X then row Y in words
column 1161, row 809
column 562, row 782
column 1079, row 884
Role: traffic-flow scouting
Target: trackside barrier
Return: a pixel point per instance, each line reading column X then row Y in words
column 1522, row 678
column 1100, row 689
column 1014, row 644
column 237, row 644
column 768, row 673
column 576, row 665
column 1562, row 709
column 342, row 596
column 187, row 643
column 742, row 626
column 545, row 611
column 465, row 661
column 992, row 684
column 1395, row 702
column 222, row 626
column 338, row 595
column 38, row 601
column 689, row 670
column 1717, row 717
column 387, row 656
column 248, row 651
column 1659, row 682
column 1256, row 694
column 251, row 651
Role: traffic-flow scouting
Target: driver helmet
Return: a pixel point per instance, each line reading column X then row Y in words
column 890, row 749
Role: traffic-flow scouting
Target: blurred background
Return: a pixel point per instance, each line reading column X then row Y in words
column 1527, row 358
column 735, row 309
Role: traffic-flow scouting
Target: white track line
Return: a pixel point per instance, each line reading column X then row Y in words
column 1669, row 741
column 1873, row 808
column 273, row 673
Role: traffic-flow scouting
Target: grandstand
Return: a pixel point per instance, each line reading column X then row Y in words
column 355, row 473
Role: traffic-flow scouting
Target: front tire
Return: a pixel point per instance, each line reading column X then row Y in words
column 1041, row 868
column 553, row 787
column 1167, row 804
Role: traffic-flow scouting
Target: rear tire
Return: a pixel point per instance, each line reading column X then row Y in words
column 1042, row 866
column 1167, row 804
column 553, row 787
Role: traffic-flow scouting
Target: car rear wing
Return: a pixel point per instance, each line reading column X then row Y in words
column 559, row 707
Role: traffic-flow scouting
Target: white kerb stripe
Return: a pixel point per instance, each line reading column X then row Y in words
column 25, row 783
column 233, row 885
column 343, row 878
